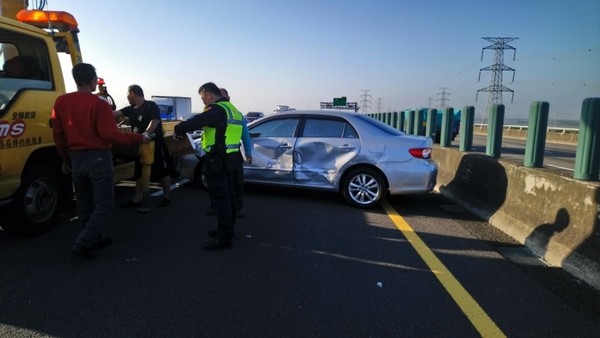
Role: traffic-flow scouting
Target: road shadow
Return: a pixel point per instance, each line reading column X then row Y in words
column 482, row 194
column 542, row 234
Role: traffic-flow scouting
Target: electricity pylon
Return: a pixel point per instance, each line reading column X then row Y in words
column 365, row 99
column 443, row 97
column 496, row 87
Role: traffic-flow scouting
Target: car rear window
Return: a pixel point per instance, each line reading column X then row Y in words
column 380, row 125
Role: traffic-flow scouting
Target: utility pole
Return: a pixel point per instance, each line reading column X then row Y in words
column 496, row 87
column 429, row 100
column 365, row 99
column 379, row 101
column 443, row 97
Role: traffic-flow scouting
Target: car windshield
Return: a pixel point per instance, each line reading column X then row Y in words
column 380, row 125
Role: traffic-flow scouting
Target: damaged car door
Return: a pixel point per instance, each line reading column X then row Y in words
column 272, row 154
column 324, row 146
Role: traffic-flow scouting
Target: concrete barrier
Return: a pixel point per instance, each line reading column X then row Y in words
column 552, row 214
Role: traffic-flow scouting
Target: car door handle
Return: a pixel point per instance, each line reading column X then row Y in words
column 285, row 146
column 346, row 147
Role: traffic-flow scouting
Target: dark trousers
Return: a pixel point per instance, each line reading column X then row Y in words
column 238, row 182
column 222, row 196
column 92, row 172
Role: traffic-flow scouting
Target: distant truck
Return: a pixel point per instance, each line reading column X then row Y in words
column 282, row 108
column 172, row 110
column 438, row 126
column 253, row 115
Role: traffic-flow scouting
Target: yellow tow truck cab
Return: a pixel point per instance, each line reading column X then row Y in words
column 33, row 191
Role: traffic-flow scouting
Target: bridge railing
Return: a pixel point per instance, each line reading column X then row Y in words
column 587, row 157
column 553, row 134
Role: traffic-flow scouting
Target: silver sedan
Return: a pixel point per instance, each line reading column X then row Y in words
column 343, row 151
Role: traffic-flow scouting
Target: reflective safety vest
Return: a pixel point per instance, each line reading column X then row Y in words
column 233, row 132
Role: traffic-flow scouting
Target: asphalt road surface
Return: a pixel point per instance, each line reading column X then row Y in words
column 304, row 264
column 556, row 155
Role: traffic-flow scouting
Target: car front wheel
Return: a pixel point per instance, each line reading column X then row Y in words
column 38, row 203
column 363, row 188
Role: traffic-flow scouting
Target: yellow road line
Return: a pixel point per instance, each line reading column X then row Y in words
column 480, row 320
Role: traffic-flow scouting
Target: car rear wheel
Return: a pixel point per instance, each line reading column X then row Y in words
column 363, row 188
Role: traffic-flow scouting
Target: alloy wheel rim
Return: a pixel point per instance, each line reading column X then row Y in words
column 364, row 189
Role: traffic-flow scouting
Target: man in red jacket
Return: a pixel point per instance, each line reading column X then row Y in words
column 83, row 129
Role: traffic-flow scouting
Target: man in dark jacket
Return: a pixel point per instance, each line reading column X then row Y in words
column 222, row 125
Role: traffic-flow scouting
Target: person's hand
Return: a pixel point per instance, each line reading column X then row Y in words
column 177, row 137
column 66, row 168
column 248, row 158
column 147, row 138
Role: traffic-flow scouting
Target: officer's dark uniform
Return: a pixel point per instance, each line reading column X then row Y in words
column 222, row 124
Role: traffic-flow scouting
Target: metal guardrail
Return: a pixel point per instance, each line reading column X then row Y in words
column 557, row 130
column 553, row 134
column 588, row 150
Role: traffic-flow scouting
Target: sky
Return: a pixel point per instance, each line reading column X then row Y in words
column 392, row 55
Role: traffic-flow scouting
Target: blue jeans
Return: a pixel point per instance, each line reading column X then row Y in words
column 93, row 177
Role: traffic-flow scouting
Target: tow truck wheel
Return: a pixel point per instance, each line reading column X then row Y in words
column 38, row 203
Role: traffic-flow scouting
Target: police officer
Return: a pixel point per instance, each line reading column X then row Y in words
column 222, row 124
column 238, row 177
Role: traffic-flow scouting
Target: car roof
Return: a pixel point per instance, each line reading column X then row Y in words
column 332, row 112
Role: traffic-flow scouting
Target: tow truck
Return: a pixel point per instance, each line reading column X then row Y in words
column 33, row 191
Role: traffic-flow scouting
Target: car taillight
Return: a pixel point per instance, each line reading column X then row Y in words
column 420, row 152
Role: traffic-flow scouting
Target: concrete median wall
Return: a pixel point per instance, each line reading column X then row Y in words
column 552, row 214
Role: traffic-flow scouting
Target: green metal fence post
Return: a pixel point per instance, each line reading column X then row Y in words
column 536, row 134
column 403, row 119
column 495, row 127
column 431, row 120
column 410, row 122
column 587, row 157
column 446, row 130
column 467, row 119
column 418, row 123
